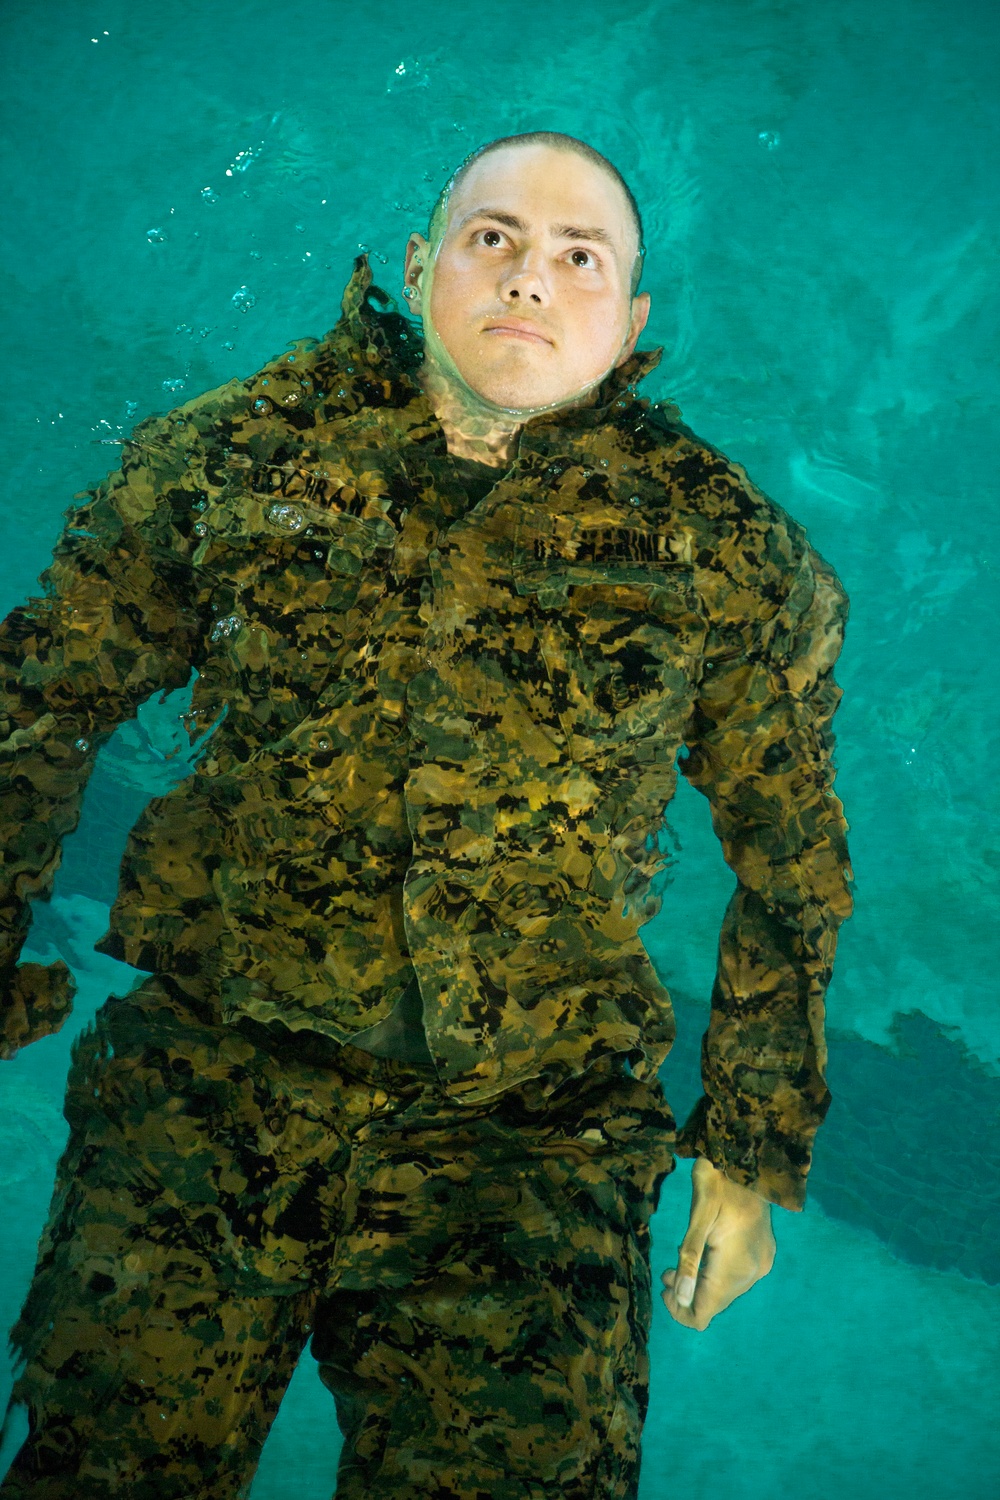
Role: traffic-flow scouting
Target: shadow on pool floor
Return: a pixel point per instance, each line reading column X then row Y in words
column 910, row 1148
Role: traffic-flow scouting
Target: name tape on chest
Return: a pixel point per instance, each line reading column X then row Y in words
column 609, row 545
column 286, row 483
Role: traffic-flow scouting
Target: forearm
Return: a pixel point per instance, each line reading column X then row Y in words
column 764, row 1054
column 116, row 619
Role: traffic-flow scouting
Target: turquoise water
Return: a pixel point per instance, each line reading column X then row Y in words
column 184, row 187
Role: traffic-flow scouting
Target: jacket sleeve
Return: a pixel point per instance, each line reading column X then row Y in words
column 116, row 621
column 760, row 749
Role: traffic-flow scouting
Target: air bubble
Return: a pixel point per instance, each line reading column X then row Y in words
column 173, row 385
column 769, row 139
column 409, row 73
column 262, row 404
column 210, row 195
column 155, row 236
column 243, row 160
column 200, row 529
column 634, row 500
column 229, row 625
column 243, row 299
column 82, row 745
column 287, row 517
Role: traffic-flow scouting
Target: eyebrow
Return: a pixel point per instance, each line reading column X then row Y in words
column 560, row 231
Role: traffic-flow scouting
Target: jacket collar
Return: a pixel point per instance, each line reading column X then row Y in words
column 388, row 339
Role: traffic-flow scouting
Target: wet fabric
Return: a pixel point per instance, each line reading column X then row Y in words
column 446, row 730
column 475, row 1280
column 475, row 478
column 401, row 1035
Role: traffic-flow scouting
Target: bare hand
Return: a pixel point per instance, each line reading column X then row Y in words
column 728, row 1246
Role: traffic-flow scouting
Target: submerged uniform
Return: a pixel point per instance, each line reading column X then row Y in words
column 445, row 725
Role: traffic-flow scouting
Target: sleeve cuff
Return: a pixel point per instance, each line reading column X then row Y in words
column 38, row 999
column 750, row 1151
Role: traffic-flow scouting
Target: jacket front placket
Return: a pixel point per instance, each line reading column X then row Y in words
column 517, row 922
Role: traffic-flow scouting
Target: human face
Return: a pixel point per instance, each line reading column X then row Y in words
column 528, row 289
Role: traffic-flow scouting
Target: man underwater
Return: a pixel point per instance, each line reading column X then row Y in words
column 457, row 602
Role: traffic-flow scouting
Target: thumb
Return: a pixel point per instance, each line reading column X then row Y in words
column 692, row 1247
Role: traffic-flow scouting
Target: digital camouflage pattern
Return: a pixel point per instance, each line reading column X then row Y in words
column 475, row 1277
column 446, row 735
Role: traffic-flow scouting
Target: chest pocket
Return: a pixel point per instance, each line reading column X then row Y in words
column 620, row 642
column 284, row 578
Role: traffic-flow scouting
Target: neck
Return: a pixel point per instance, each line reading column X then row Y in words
column 472, row 429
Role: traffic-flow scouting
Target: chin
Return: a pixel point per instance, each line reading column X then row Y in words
column 519, row 398
column 516, row 392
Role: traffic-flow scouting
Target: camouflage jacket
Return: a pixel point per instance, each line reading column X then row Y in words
column 446, row 734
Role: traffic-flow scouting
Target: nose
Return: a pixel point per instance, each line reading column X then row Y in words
column 524, row 283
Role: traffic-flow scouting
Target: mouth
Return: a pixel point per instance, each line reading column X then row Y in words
column 513, row 328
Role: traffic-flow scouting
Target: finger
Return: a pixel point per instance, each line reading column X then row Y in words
column 715, row 1288
column 692, row 1248
column 722, row 1278
column 684, row 1289
column 680, row 1314
column 669, row 1279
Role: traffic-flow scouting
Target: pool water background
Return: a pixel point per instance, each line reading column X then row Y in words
column 184, row 188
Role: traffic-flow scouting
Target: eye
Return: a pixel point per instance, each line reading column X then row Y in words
column 490, row 237
column 584, row 259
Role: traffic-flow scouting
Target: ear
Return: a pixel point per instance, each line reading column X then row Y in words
column 417, row 255
column 637, row 322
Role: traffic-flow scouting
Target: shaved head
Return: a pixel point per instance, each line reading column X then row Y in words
column 559, row 142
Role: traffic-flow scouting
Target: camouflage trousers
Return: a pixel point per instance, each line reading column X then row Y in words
column 475, row 1280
